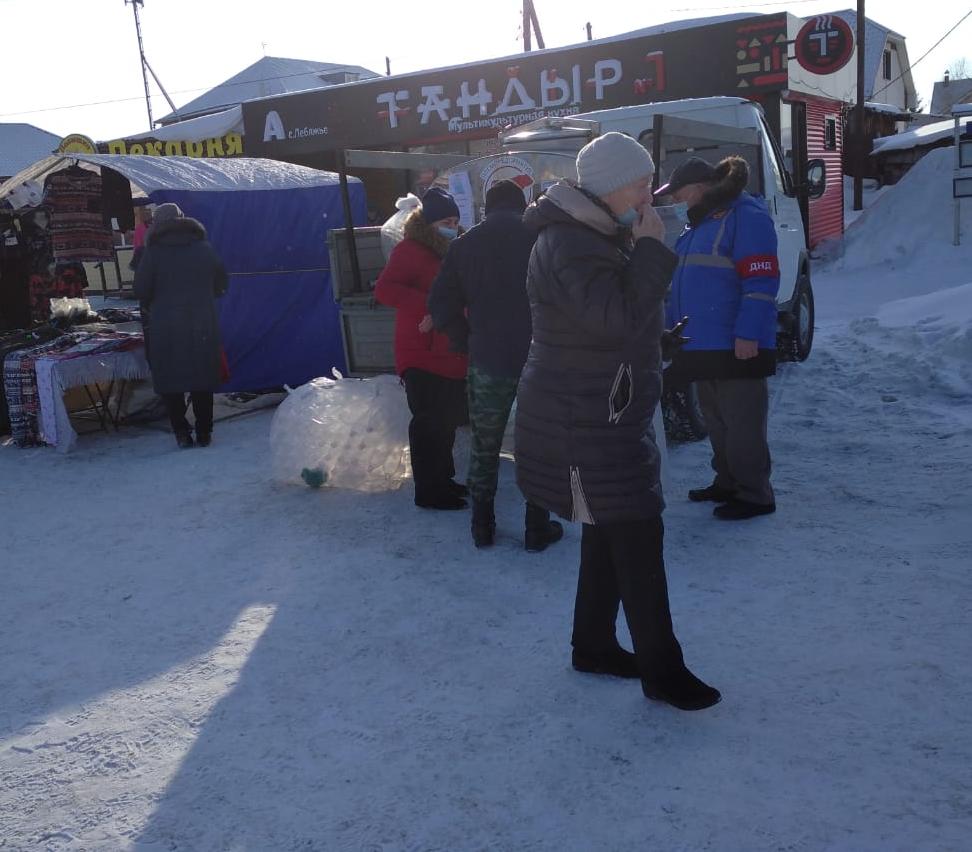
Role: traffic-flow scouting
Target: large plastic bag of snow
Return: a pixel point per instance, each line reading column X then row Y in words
column 345, row 433
column 393, row 231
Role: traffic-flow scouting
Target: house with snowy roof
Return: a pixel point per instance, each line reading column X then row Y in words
column 948, row 93
column 23, row 144
column 271, row 75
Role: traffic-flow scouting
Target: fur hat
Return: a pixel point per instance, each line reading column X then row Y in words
column 612, row 161
column 166, row 213
column 438, row 204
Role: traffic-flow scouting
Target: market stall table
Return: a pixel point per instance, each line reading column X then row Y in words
column 100, row 372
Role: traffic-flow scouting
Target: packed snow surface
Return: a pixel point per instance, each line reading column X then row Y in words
column 195, row 657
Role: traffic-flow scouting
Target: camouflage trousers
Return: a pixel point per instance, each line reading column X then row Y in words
column 490, row 401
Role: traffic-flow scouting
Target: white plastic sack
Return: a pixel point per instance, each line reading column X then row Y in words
column 345, row 433
column 393, row 231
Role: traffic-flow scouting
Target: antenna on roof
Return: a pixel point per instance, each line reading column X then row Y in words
column 147, row 67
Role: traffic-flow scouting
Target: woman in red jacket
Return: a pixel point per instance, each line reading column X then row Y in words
column 434, row 377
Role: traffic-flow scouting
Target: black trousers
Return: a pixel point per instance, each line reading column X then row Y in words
column 438, row 407
column 202, row 409
column 623, row 563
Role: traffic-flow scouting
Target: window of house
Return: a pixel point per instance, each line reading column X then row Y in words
column 887, row 65
column 830, row 133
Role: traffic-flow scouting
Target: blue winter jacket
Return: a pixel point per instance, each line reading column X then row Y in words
column 726, row 283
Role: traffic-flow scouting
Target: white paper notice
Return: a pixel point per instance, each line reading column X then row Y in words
column 461, row 189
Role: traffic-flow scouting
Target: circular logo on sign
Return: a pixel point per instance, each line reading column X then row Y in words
column 824, row 44
column 77, row 144
column 515, row 169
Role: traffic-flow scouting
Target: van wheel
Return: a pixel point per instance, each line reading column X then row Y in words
column 682, row 412
column 801, row 337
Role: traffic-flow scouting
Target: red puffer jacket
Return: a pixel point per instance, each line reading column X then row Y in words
column 404, row 284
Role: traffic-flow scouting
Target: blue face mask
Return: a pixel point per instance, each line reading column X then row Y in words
column 629, row 217
column 448, row 233
column 681, row 211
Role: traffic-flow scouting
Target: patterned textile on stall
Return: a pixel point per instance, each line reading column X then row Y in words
column 69, row 282
column 87, row 368
column 12, row 342
column 74, row 198
column 20, row 386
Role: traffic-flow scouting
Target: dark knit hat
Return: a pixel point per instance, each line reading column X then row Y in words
column 438, row 204
column 506, row 195
column 693, row 170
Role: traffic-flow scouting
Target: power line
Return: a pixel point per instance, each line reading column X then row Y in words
column 111, row 101
column 930, row 49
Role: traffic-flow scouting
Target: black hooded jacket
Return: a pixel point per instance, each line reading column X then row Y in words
column 479, row 296
column 585, row 447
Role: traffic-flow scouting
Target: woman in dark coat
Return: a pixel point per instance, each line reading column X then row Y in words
column 585, row 447
column 177, row 282
column 434, row 375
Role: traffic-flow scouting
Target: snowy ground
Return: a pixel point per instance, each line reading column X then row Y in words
column 194, row 658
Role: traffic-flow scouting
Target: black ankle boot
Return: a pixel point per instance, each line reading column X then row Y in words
column 682, row 690
column 541, row 532
column 483, row 523
column 184, row 439
column 616, row 662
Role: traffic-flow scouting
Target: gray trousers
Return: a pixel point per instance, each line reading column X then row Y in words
column 736, row 411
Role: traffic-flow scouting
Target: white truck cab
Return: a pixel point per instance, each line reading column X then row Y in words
column 539, row 153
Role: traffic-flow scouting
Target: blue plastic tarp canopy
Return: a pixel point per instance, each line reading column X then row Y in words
column 268, row 220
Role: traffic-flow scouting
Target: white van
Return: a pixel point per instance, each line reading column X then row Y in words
column 539, row 153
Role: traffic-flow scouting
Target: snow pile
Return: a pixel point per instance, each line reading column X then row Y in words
column 348, row 433
column 927, row 341
column 910, row 218
column 927, row 134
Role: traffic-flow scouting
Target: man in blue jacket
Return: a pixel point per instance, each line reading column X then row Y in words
column 726, row 283
column 479, row 299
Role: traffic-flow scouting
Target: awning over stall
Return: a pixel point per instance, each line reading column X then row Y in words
column 268, row 220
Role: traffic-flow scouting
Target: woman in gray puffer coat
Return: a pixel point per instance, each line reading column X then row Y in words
column 585, row 447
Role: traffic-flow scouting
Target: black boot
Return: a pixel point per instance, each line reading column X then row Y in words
column 616, row 661
column 184, row 439
column 682, row 690
column 483, row 523
column 541, row 532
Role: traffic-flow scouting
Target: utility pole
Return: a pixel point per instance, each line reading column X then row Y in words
column 859, row 113
column 531, row 24
column 141, row 54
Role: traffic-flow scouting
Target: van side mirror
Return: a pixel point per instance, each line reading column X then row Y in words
column 816, row 178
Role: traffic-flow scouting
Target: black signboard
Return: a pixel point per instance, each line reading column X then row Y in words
column 744, row 57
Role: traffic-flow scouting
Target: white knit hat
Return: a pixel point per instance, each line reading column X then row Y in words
column 612, row 161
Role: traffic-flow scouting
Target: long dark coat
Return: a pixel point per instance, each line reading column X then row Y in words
column 177, row 281
column 585, row 447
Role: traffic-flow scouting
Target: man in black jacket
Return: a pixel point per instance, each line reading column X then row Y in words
column 479, row 299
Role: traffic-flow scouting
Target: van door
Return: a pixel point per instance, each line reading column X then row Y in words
column 673, row 140
column 785, row 207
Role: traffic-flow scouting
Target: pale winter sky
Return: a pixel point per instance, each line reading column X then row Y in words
column 65, row 58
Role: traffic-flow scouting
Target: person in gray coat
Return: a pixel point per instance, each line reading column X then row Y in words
column 177, row 282
column 585, row 448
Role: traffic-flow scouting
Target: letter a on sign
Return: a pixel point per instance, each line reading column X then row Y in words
column 273, row 128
